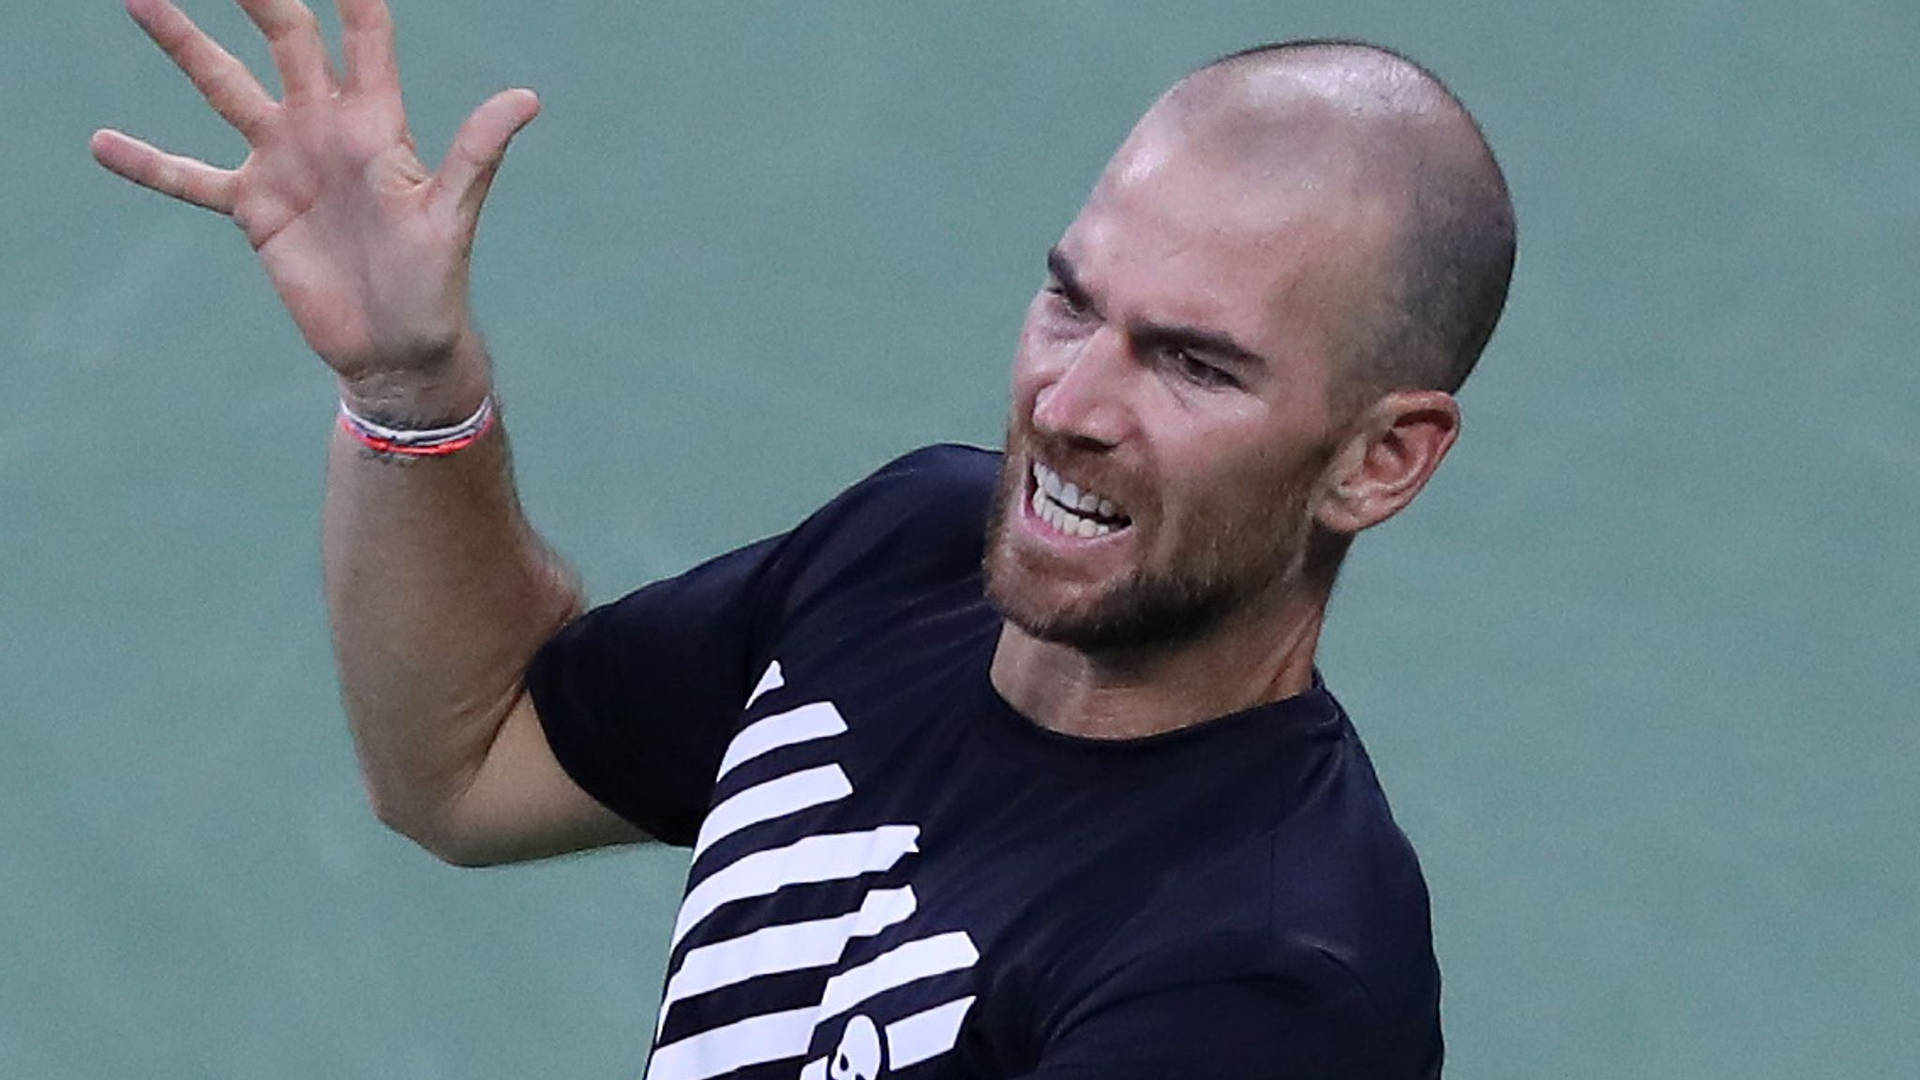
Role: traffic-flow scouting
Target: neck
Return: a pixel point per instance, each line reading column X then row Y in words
column 1250, row 658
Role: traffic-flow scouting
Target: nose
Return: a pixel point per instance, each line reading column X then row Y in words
column 1084, row 403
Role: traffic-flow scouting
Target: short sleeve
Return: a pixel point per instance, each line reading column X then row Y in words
column 637, row 698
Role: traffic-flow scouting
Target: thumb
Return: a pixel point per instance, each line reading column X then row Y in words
column 477, row 148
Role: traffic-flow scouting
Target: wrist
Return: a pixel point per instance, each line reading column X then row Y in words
column 415, row 442
column 427, row 396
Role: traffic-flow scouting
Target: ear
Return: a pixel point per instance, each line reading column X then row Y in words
column 1389, row 452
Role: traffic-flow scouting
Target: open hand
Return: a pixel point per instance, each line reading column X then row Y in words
column 367, row 248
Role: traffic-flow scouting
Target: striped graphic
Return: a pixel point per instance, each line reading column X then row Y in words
column 913, row 1039
column 804, row 724
column 782, row 931
column 776, row 949
column 770, row 680
column 813, row 859
column 897, row 967
column 734, row 1046
column 777, row 798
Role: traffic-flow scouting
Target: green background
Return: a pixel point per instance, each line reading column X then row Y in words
column 1639, row 670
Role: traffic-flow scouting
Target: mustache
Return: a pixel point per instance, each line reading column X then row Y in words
column 1091, row 470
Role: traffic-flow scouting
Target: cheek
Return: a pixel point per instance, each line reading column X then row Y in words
column 1222, row 488
column 1048, row 338
column 1035, row 364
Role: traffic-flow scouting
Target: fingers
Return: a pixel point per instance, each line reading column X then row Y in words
column 478, row 147
column 224, row 81
column 367, row 39
column 169, row 174
column 299, row 53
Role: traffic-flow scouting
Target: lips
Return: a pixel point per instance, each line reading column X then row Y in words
column 1072, row 510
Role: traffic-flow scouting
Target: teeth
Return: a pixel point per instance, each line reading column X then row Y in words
column 1052, row 496
column 1045, row 479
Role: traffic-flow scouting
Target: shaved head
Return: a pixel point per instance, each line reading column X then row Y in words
column 1374, row 129
column 1244, row 349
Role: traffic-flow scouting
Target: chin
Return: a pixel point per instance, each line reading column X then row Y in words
column 1139, row 612
column 1136, row 615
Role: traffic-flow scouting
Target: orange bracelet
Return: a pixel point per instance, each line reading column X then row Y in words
column 430, row 442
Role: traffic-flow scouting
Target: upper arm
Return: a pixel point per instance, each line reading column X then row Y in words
column 626, row 712
column 520, row 804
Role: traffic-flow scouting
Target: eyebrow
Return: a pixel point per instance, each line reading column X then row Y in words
column 1061, row 268
column 1154, row 335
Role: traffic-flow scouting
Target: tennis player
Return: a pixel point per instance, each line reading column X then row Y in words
column 1001, row 764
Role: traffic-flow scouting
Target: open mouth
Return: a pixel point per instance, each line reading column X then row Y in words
column 1072, row 511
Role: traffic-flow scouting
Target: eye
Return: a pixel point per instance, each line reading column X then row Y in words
column 1066, row 303
column 1199, row 372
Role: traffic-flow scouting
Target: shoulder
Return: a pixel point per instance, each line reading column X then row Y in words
column 924, row 513
column 1234, row 1005
column 1343, row 875
column 947, row 481
column 1318, row 917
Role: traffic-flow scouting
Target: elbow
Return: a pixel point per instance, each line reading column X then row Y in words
column 464, row 858
column 431, row 831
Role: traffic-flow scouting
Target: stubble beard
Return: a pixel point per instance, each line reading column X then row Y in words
column 1236, row 560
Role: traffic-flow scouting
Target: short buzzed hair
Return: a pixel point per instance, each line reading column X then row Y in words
column 1446, row 279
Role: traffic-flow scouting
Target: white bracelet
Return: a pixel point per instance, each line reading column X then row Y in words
column 421, row 442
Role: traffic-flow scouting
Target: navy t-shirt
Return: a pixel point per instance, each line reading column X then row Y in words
column 897, row 875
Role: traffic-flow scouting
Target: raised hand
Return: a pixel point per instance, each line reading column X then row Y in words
column 367, row 248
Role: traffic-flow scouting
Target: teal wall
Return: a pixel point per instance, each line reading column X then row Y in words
column 1639, row 669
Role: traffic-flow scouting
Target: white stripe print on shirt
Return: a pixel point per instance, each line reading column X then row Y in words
column 818, row 868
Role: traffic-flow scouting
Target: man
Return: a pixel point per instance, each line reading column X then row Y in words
column 998, row 765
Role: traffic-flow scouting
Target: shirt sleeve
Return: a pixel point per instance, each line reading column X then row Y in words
column 638, row 697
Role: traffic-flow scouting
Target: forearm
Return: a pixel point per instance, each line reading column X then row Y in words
column 439, row 592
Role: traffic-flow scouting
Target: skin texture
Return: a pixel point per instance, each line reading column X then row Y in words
column 1253, row 215
column 1241, row 473
column 438, row 589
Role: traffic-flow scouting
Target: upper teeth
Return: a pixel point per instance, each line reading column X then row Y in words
column 1053, row 498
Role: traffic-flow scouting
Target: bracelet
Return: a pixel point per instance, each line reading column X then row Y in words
column 430, row 442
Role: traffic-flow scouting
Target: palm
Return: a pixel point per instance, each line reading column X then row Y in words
column 365, row 246
column 339, row 211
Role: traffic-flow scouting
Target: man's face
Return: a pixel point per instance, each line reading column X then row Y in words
column 1170, row 424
